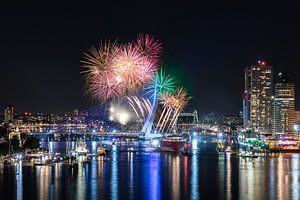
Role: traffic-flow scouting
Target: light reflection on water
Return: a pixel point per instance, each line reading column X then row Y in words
column 19, row 175
column 194, row 176
column 153, row 175
column 114, row 175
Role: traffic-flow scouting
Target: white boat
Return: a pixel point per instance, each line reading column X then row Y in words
column 42, row 160
column 81, row 148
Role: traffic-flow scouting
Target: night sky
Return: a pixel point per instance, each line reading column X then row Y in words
column 206, row 46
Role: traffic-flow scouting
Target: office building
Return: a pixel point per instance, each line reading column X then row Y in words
column 257, row 98
column 9, row 114
column 284, row 105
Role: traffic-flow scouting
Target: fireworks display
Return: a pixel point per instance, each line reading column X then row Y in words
column 172, row 104
column 149, row 46
column 141, row 106
column 114, row 70
column 119, row 114
column 163, row 83
column 101, row 78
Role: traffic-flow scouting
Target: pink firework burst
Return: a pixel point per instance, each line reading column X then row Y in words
column 99, row 74
column 112, row 71
column 149, row 46
column 134, row 70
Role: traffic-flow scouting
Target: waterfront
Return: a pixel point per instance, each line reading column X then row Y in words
column 146, row 174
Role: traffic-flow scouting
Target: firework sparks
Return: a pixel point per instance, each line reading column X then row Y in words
column 149, row 47
column 112, row 70
column 173, row 104
column 134, row 69
column 163, row 83
column 180, row 101
column 141, row 106
column 101, row 78
column 116, row 70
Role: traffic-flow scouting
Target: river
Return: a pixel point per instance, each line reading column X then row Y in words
column 144, row 174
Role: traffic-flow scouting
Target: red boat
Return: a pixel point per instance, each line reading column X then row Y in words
column 173, row 144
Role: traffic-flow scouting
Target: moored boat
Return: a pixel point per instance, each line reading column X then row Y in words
column 172, row 143
column 81, row 148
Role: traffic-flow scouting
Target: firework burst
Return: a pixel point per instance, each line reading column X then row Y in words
column 101, row 82
column 112, row 70
column 134, row 69
column 172, row 104
column 141, row 106
column 163, row 84
column 149, row 47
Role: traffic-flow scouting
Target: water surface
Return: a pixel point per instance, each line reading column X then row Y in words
column 153, row 175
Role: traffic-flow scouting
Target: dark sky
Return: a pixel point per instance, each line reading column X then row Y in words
column 206, row 45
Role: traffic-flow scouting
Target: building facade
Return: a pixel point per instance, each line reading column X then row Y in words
column 257, row 98
column 187, row 121
column 9, row 114
column 284, row 105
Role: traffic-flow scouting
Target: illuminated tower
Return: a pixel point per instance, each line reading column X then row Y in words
column 284, row 105
column 257, row 99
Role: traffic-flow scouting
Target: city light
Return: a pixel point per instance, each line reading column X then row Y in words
column 155, row 143
column 123, row 118
column 120, row 114
column 104, row 110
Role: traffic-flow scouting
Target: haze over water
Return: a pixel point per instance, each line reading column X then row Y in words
column 153, row 175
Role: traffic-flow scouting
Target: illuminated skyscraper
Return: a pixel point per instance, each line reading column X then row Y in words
column 284, row 105
column 257, row 99
column 8, row 114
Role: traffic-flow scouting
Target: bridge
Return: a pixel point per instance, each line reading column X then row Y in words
column 63, row 136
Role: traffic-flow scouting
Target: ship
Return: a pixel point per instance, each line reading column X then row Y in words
column 173, row 143
column 81, row 148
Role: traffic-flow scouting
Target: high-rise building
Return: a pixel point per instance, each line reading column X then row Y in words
column 9, row 114
column 257, row 99
column 297, row 117
column 284, row 105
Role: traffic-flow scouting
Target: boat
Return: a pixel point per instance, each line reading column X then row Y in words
column 57, row 158
column 173, row 143
column 81, row 148
column 42, row 160
column 247, row 154
column 37, row 158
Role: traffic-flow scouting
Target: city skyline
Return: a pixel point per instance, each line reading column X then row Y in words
column 206, row 51
column 150, row 100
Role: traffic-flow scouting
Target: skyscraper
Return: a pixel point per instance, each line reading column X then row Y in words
column 8, row 114
column 284, row 105
column 257, row 98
